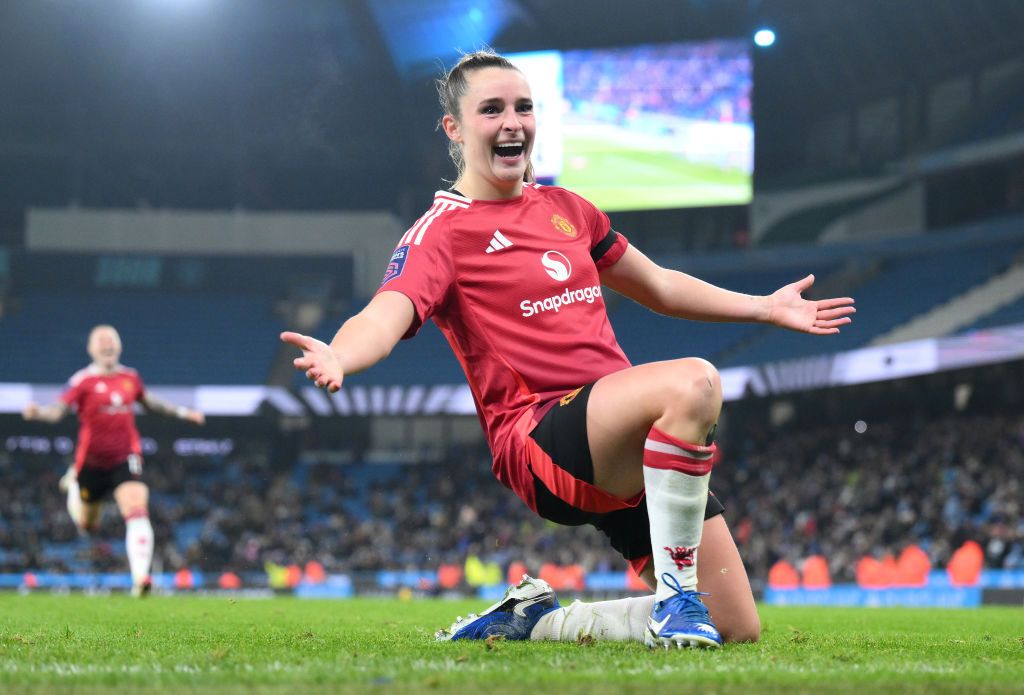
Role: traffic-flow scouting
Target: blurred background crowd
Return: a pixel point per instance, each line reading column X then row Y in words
column 790, row 494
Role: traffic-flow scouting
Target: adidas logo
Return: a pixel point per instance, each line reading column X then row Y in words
column 498, row 242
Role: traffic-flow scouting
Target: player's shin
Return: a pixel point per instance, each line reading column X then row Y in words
column 74, row 503
column 676, row 475
column 139, row 543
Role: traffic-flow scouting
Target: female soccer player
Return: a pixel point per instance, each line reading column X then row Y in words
column 108, row 457
column 513, row 274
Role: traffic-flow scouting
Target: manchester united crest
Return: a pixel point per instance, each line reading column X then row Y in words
column 563, row 225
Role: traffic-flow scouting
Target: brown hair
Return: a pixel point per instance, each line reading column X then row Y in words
column 452, row 87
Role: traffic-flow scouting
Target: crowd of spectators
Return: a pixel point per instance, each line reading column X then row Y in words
column 840, row 493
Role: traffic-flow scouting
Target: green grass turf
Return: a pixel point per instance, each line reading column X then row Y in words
column 615, row 178
column 172, row 644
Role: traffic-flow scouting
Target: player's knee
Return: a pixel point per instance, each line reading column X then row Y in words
column 700, row 383
column 140, row 511
column 696, row 389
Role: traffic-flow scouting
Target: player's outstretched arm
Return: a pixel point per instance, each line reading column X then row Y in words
column 45, row 413
column 361, row 342
column 673, row 293
column 155, row 404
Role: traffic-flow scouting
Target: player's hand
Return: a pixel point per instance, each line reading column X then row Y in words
column 321, row 365
column 196, row 417
column 30, row 411
column 817, row 317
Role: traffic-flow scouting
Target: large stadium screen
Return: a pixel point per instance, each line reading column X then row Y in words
column 645, row 127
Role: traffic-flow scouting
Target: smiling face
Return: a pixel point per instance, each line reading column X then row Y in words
column 104, row 347
column 495, row 129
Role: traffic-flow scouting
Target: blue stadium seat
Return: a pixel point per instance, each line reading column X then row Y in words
column 186, row 532
column 1011, row 314
column 170, row 338
column 905, row 288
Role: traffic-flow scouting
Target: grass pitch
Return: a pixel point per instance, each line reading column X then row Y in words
column 617, row 177
column 173, row 644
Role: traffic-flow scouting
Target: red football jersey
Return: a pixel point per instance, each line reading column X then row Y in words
column 514, row 287
column 106, row 417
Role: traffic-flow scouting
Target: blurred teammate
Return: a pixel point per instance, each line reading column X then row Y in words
column 108, row 457
column 512, row 273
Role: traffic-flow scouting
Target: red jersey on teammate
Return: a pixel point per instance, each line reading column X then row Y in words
column 107, row 457
column 105, row 404
column 514, row 287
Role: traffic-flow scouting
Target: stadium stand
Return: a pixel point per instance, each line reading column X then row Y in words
column 171, row 338
column 1010, row 314
column 893, row 281
column 183, row 319
column 789, row 494
column 905, row 287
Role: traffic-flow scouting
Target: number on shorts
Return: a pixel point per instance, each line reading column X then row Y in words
column 135, row 464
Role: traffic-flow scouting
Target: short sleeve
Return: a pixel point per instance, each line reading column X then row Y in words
column 421, row 269
column 606, row 245
column 72, row 395
column 609, row 249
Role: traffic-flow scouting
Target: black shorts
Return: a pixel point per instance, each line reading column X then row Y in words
column 95, row 484
column 562, row 434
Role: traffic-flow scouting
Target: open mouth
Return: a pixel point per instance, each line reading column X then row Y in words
column 510, row 150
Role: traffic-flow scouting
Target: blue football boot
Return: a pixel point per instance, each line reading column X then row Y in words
column 513, row 617
column 682, row 620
